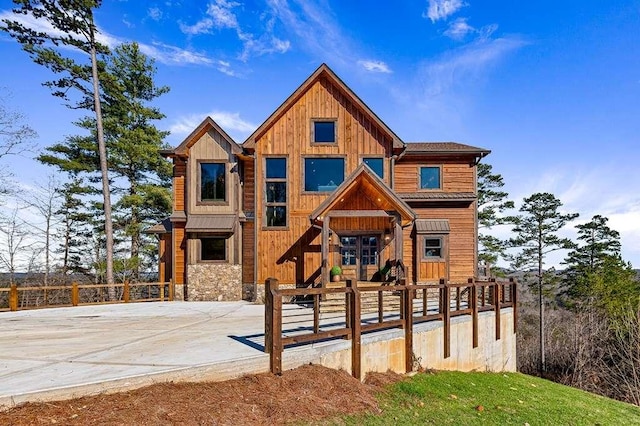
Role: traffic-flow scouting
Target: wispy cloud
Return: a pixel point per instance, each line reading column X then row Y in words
column 459, row 29
column 231, row 122
column 154, row 13
column 163, row 53
column 219, row 15
column 442, row 9
column 375, row 66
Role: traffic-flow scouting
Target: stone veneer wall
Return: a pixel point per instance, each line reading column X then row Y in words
column 214, row 282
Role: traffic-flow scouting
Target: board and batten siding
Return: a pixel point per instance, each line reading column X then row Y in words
column 293, row 254
column 457, row 176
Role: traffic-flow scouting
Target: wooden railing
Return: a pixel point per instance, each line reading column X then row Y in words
column 295, row 316
column 17, row 297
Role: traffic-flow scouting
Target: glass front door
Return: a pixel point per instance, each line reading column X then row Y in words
column 359, row 255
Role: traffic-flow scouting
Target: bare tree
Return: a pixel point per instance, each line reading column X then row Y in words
column 15, row 242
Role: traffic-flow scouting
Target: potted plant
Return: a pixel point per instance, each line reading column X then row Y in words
column 336, row 271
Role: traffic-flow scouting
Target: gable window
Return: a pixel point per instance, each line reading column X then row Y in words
column 213, row 249
column 433, row 248
column 375, row 164
column 212, row 182
column 276, row 192
column 323, row 131
column 323, row 174
column 430, row 177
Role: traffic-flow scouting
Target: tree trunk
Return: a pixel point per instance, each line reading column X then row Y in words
column 542, row 365
column 102, row 150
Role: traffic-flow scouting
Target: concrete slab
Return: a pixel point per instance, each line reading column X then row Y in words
column 66, row 352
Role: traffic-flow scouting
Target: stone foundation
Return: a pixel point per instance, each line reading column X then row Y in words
column 214, row 282
column 259, row 292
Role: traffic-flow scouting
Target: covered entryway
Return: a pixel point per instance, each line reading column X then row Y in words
column 362, row 224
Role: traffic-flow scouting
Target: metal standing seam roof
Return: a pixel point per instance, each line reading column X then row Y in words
column 210, row 223
column 427, row 195
column 443, row 147
column 163, row 227
column 427, row 226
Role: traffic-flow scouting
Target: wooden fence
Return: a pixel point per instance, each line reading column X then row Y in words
column 16, row 297
column 311, row 314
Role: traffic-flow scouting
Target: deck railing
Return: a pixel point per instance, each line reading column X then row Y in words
column 305, row 315
column 18, row 297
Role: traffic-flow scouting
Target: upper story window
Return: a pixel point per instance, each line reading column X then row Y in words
column 323, row 131
column 275, row 192
column 430, row 178
column 213, row 185
column 375, row 164
column 213, row 249
column 323, row 174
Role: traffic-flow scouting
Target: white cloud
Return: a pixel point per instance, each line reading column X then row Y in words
column 231, row 122
column 459, row 29
column 154, row 13
column 375, row 66
column 442, row 9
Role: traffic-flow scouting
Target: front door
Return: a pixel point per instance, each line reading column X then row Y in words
column 359, row 256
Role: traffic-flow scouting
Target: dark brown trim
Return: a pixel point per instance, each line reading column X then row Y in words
column 265, row 181
column 441, row 172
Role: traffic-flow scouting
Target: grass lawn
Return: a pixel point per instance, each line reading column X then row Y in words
column 454, row 398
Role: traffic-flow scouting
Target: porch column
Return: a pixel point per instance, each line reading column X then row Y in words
column 399, row 238
column 325, row 251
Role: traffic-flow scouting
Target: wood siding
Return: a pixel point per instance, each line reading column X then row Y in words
column 248, row 252
column 249, row 186
column 179, row 254
column 293, row 254
column 457, row 176
column 179, row 177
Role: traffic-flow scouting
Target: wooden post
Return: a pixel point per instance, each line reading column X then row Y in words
column 275, row 354
column 408, row 326
column 356, row 367
column 125, row 292
column 496, row 302
column 380, row 307
column 161, row 291
column 75, row 294
column 13, row 297
column 514, row 302
column 474, row 311
column 269, row 285
column 172, row 290
column 316, row 313
column 325, row 251
column 425, row 301
column 446, row 320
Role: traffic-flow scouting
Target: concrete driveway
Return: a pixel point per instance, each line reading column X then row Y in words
column 65, row 352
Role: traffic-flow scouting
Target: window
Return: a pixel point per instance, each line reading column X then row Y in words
column 212, row 182
column 323, row 174
column 375, row 164
column 430, row 177
column 369, row 251
column 276, row 192
column 348, row 250
column 433, row 248
column 324, row 131
column 213, row 248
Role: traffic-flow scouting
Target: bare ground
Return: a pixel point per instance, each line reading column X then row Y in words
column 305, row 394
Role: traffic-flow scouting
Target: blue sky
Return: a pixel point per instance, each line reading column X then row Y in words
column 552, row 88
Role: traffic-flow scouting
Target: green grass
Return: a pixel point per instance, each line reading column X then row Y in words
column 454, row 398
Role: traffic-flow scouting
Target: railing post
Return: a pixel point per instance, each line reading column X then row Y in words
column 316, row 313
column 269, row 285
column 275, row 354
column 75, row 294
column 125, row 292
column 514, row 302
column 496, row 302
column 408, row 326
column 161, row 292
column 474, row 310
column 348, row 314
column 446, row 320
column 13, row 297
column 355, row 324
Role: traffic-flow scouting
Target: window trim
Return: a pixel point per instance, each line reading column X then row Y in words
column 199, row 201
column 312, row 131
column 432, row 166
column 375, row 157
column 443, row 248
column 321, row 157
column 199, row 239
column 265, row 181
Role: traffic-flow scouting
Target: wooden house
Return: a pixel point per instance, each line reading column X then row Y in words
column 323, row 182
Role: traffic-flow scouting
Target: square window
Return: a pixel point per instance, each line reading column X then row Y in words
column 430, row 177
column 276, row 168
column 324, row 131
column 433, row 248
column 323, row 174
column 212, row 182
column 375, row 164
column 276, row 216
column 213, row 248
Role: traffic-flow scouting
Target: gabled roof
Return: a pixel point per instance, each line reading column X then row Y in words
column 446, row 148
column 361, row 176
column 322, row 71
column 206, row 125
